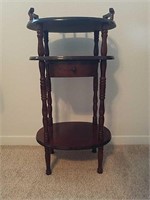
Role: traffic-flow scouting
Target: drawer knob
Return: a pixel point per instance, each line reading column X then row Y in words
column 74, row 69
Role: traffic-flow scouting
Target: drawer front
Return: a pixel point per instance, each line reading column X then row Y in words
column 73, row 69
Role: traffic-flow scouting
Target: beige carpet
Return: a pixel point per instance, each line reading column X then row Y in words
column 74, row 176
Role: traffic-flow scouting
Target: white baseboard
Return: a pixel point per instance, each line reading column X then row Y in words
column 130, row 140
column 116, row 140
column 18, row 140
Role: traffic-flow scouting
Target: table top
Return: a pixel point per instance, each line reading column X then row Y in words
column 71, row 24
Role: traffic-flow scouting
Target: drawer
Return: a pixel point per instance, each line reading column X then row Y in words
column 73, row 69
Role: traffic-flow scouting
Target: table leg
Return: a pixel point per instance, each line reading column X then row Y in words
column 102, row 88
column 44, row 95
column 48, row 160
column 100, row 160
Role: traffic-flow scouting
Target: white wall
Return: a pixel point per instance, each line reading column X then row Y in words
column 127, row 86
column 0, row 67
column 149, row 66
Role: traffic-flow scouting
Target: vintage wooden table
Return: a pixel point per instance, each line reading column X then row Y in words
column 72, row 135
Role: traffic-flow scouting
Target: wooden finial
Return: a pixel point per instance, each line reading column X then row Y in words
column 110, row 14
column 32, row 15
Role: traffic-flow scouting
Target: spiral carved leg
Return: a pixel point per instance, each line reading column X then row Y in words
column 100, row 160
column 48, row 160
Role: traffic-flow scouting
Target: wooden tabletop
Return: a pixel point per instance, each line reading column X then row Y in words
column 71, row 24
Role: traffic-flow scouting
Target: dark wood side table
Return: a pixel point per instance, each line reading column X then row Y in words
column 72, row 135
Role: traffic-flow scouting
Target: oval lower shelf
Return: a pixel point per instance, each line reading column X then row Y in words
column 74, row 136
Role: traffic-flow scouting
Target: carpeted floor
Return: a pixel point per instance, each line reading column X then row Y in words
column 74, row 176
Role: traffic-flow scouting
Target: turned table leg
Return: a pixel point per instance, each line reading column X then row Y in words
column 43, row 86
column 48, row 160
column 102, row 88
column 100, row 160
column 95, row 83
column 49, row 88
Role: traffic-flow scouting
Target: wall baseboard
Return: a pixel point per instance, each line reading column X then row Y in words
column 116, row 140
column 130, row 140
column 18, row 140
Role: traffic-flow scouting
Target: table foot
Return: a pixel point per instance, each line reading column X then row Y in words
column 48, row 172
column 99, row 170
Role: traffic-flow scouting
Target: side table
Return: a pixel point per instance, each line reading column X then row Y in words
column 72, row 135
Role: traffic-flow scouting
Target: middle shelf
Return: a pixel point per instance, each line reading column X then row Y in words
column 71, row 58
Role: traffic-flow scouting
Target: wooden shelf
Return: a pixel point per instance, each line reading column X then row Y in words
column 74, row 136
column 71, row 58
